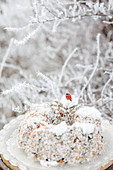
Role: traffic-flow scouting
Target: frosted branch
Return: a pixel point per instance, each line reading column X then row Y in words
column 6, row 56
column 49, row 82
column 17, row 88
column 17, row 29
column 96, row 64
column 106, row 84
column 26, row 38
column 65, row 64
column 108, row 22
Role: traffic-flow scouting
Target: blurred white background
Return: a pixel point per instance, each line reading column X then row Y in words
column 69, row 41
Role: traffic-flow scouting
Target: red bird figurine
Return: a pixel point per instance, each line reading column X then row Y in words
column 68, row 97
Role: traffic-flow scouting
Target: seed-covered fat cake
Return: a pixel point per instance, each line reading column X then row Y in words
column 61, row 132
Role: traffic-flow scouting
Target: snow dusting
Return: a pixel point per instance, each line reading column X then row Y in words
column 59, row 129
column 87, row 128
column 89, row 112
column 67, row 103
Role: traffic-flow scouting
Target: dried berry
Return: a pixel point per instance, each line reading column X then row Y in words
column 61, row 114
column 75, row 140
column 38, row 126
column 60, row 161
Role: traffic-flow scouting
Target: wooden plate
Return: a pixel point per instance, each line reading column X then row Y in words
column 5, row 164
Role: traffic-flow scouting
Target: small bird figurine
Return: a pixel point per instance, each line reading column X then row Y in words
column 68, row 97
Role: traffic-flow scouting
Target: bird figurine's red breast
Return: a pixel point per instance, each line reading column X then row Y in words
column 68, row 97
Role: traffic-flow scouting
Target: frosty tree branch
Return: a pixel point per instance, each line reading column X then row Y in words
column 50, row 83
column 56, row 27
column 6, row 56
column 97, row 61
column 65, row 64
column 54, row 13
column 111, row 78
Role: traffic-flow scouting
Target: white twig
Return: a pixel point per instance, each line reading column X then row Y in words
column 108, row 22
column 96, row 64
column 111, row 77
column 18, row 88
column 49, row 82
column 5, row 57
column 26, row 38
column 72, row 79
column 17, row 29
column 35, row 8
column 65, row 64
